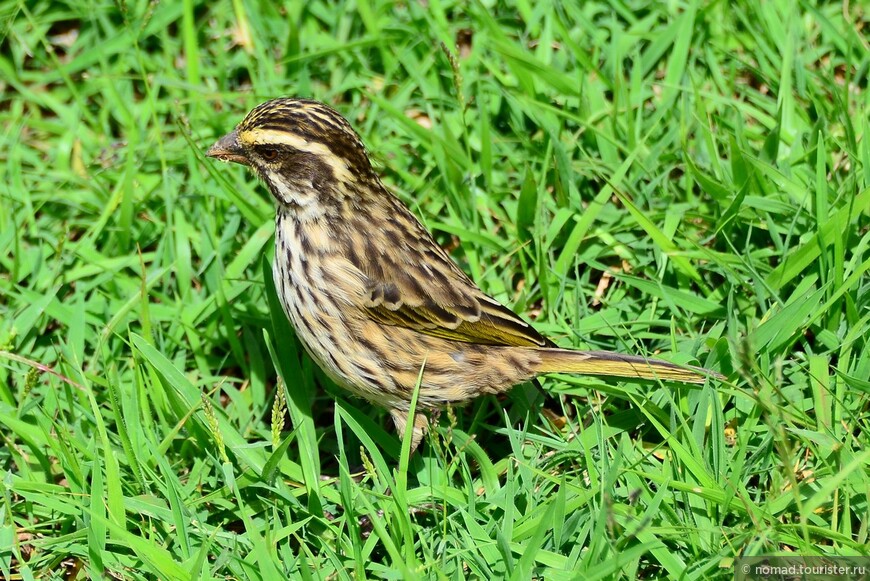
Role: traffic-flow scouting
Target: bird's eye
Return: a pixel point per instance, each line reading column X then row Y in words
column 269, row 154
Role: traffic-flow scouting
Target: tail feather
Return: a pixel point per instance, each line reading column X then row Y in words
column 617, row 364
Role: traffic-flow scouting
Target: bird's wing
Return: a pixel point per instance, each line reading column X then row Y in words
column 398, row 275
column 417, row 286
column 461, row 314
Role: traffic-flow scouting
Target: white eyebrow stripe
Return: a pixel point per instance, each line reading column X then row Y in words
column 260, row 136
column 276, row 137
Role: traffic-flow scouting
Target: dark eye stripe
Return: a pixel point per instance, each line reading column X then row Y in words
column 271, row 152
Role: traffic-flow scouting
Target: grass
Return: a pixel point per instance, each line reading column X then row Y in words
column 684, row 179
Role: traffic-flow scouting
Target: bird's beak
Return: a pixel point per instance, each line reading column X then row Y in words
column 228, row 148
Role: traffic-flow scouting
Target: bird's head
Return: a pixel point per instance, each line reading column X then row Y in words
column 303, row 150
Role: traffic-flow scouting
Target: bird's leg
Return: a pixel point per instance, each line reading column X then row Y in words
column 421, row 424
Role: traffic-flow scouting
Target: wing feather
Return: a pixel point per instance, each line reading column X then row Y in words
column 461, row 312
column 410, row 281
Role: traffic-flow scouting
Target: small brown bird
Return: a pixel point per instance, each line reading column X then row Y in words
column 371, row 295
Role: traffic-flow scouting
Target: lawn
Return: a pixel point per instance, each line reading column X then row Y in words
column 683, row 180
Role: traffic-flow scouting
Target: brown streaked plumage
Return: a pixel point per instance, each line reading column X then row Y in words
column 371, row 295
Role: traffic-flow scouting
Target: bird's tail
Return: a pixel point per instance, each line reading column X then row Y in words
column 617, row 364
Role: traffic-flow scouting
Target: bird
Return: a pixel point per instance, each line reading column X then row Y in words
column 376, row 302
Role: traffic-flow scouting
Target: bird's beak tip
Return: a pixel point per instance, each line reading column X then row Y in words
column 228, row 148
